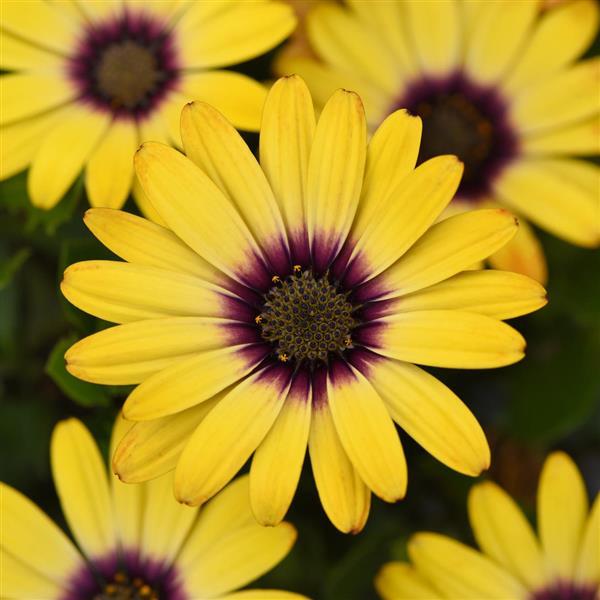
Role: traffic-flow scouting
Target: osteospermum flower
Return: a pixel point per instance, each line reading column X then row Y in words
column 284, row 303
column 132, row 542
column 496, row 83
column 561, row 563
column 91, row 80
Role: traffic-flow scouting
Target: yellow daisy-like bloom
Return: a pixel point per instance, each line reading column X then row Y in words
column 92, row 79
column 284, row 303
column 496, row 83
column 133, row 542
column 563, row 564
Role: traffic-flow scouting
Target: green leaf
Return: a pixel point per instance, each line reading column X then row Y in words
column 81, row 392
column 10, row 266
column 552, row 391
column 15, row 199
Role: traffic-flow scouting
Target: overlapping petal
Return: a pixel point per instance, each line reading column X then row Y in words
column 82, row 485
column 344, row 496
column 277, row 462
column 229, row 434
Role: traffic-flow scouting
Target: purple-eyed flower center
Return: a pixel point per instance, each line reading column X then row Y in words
column 125, row 577
column 124, row 587
column 468, row 120
column 566, row 590
column 125, row 65
column 306, row 318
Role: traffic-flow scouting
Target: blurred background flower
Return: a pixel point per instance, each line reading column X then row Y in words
column 562, row 562
column 133, row 542
column 90, row 81
column 496, row 83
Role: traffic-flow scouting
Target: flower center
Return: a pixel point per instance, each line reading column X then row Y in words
column 306, row 318
column 565, row 590
column 127, row 73
column 467, row 120
column 125, row 65
column 122, row 587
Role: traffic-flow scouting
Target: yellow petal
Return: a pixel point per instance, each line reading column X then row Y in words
column 17, row 53
column 165, row 523
column 367, row 433
column 286, row 137
column 170, row 112
column 100, row 11
column 227, row 525
column 432, row 415
column 449, row 247
column 391, row 155
column 582, row 173
column 385, row 21
column 140, row 241
column 397, row 580
column 523, row 254
column 22, row 581
column 556, row 201
column 497, row 37
column 150, row 449
column 335, row 174
column 133, row 352
column 260, row 594
column 587, row 569
column 216, row 147
column 238, row 97
column 231, row 33
column 226, row 438
column 277, row 462
column 123, row 292
column 154, row 128
column 30, row 537
column 144, row 204
column 42, row 23
column 239, row 558
column 128, row 500
column 21, row 141
column 580, row 139
column 471, row 13
column 559, row 37
column 228, row 512
column 63, row 154
column 197, row 211
column 435, row 29
column 109, row 172
column 504, row 534
column 498, row 294
column 405, row 214
column 460, row 571
column 562, row 507
column 190, row 381
column 563, row 98
column 449, row 338
column 82, row 486
column 343, row 494
column 324, row 80
column 342, row 40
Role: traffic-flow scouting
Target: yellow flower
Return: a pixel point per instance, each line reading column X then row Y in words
column 132, row 541
column 564, row 563
column 496, row 83
column 91, row 80
column 284, row 304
